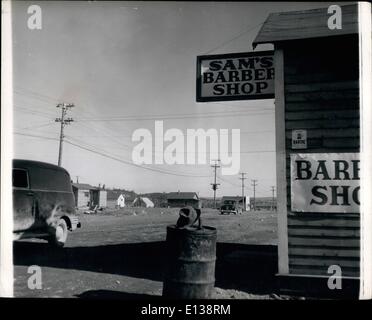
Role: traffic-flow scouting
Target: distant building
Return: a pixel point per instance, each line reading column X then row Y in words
column 120, row 202
column 239, row 199
column 82, row 194
column 264, row 203
column 143, row 202
column 182, row 199
column 87, row 196
column 98, row 197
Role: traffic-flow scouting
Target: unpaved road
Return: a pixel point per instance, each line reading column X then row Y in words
column 119, row 255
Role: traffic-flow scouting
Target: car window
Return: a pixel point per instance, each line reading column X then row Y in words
column 50, row 179
column 20, row 178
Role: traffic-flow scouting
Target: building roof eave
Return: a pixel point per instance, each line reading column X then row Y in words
column 306, row 24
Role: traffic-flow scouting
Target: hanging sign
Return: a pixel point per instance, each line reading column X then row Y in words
column 299, row 139
column 325, row 182
column 236, row 76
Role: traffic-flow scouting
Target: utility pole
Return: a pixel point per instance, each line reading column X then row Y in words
column 63, row 120
column 215, row 184
column 243, row 196
column 273, row 199
column 254, row 185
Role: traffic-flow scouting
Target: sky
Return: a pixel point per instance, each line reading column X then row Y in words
column 124, row 65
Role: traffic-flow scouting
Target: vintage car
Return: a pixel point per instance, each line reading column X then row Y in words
column 231, row 206
column 43, row 202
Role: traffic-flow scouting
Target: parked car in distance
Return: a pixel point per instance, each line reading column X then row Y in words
column 231, row 206
column 43, row 202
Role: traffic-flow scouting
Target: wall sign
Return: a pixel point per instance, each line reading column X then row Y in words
column 236, row 76
column 325, row 182
column 299, row 139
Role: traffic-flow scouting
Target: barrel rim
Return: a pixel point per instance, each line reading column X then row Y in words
column 199, row 260
column 210, row 282
column 205, row 230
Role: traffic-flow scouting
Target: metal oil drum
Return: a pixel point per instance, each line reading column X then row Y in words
column 190, row 265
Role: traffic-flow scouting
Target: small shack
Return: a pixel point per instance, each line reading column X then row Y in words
column 87, row 196
column 120, row 202
column 98, row 197
column 114, row 194
column 143, row 202
column 182, row 199
column 82, row 194
column 317, row 93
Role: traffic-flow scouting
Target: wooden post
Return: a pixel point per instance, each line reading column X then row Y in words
column 365, row 81
column 281, row 181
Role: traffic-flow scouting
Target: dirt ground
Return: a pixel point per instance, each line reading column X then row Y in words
column 119, row 254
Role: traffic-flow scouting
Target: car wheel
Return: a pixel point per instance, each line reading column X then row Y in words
column 59, row 237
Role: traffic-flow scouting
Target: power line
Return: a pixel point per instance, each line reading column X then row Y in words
column 49, row 99
column 112, row 157
column 229, row 182
column 36, row 95
column 133, row 164
column 234, row 38
column 103, row 130
column 33, row 110
column 35, row 136
column 172, row 117
column 127, row 136
column 94, row 147
column 38, row 114
column 110, row 136
column 262, row 111
column 128, row 147
column 37, row 126
column 187, row 152
column 263, row 108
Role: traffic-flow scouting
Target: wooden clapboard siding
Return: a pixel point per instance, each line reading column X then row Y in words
column 321, row 115
column 321, row 86
column 322, row 252
column 322, row 95
column 343, row 104
column 329, row 242
column 303, row 261
column 321, row 92
column 308, row 232
column 330, row 133
column 316, row 270
column 324, row 220
column 323, row 124
column 330, row 143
